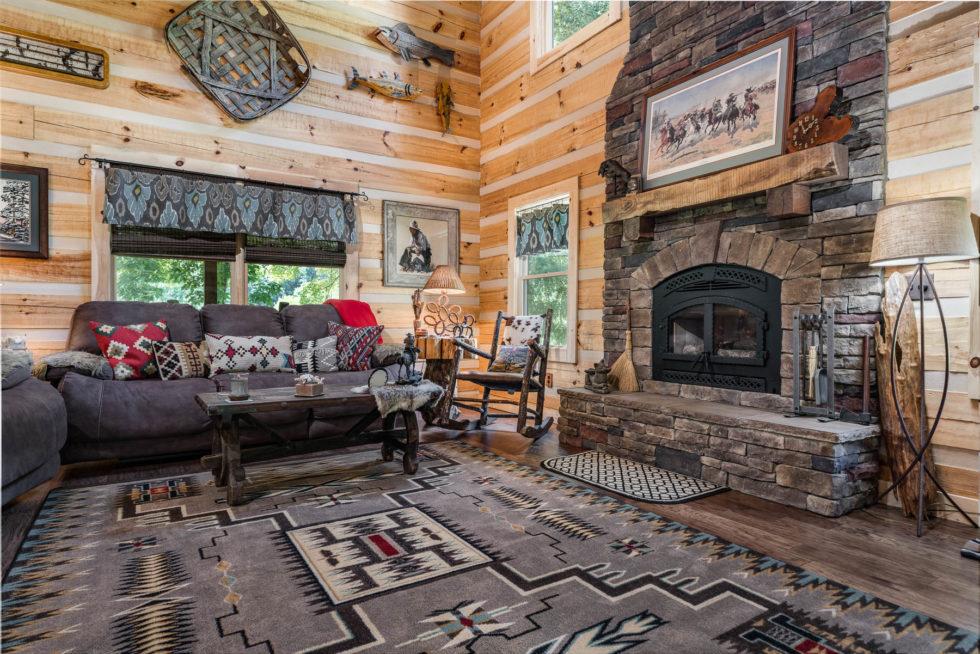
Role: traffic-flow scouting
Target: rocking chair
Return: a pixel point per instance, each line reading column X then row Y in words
column 511, row 376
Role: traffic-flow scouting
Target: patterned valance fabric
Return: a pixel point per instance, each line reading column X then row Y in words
column 192, row 203
column 543, row 228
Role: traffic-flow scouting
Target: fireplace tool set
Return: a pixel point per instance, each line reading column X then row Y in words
column 813, row 365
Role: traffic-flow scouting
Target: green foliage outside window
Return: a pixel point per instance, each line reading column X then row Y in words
column 542, row 293
column 270, row 284
column 147, row 279
column 569, row 16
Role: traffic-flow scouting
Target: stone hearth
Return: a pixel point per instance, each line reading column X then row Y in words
column 798, row 461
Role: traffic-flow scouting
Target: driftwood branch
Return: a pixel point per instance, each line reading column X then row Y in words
column 910, row 395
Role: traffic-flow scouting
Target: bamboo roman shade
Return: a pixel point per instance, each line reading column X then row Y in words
column 171, row 243
column 177, row 244
column 543, row 228
column 155, row 199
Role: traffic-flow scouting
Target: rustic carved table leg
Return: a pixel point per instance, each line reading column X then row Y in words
column 233, row 463
column 217, row 458
column 388, row 444
column 410, row 460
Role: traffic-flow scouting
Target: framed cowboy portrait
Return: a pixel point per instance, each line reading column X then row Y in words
column 417, row 238
column 23, row 211
column 728, row 114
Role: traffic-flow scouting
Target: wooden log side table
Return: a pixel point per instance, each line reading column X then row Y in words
column 227, row 457
column 438, row 353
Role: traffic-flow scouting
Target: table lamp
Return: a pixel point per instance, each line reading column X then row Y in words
column 443, row 317
column 919, row 233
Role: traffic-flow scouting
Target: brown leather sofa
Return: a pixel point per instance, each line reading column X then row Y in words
column 152, row 417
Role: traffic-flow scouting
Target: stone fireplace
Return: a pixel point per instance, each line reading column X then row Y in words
column 711, row 285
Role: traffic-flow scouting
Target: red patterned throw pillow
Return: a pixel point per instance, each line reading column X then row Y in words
column 129, row 348
column 354, row 345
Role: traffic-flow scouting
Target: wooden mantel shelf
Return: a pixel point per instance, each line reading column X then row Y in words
column 824, row 163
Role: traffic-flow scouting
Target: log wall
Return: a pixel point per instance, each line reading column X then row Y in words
column 327, row 137
column 535, row 130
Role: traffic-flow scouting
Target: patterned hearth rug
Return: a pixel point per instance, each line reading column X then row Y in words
column 345, row 553
column 633, row 479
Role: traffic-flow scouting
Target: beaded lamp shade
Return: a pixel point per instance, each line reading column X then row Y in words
column 446, row 280
column 923, row 231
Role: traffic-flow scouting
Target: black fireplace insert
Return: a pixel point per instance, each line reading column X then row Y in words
column 718, row 325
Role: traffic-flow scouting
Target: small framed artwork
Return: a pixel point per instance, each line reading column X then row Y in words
column 23, row 211
column 731, row 113
column 417, row 238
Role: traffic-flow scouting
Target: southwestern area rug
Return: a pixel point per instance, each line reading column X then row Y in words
column 345, row 553
column 633, row 479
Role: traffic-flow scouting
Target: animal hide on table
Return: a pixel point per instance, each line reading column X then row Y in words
column 405, row 397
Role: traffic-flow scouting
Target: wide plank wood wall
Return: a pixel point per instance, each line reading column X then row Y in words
column 932, row 131
column 327, row 137
column 537, row 129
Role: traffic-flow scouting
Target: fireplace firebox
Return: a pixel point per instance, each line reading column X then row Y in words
column 718, row 325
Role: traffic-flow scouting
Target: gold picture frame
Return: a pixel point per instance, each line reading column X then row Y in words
column 53, row 73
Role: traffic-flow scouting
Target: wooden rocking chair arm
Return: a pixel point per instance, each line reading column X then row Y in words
column 463, row 345
column 534, row 347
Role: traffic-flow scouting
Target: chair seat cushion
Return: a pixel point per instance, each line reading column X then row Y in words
column 501, row 380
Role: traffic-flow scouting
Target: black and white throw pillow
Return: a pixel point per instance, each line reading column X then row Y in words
column 316, row 356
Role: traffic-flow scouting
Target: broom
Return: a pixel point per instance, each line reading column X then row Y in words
column 623, row 374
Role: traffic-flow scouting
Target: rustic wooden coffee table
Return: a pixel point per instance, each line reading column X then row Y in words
column 227, row 458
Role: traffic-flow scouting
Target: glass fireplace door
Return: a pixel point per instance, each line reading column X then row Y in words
column 718, row 325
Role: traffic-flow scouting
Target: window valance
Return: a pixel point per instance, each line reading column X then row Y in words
column 543, row 228
column 140, row 198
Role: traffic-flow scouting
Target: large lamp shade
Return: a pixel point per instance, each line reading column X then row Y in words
column 446, row 280
column 923, row 231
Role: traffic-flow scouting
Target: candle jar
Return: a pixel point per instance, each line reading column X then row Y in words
column 238, row 386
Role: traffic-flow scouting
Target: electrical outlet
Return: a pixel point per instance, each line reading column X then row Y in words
column 549, row 380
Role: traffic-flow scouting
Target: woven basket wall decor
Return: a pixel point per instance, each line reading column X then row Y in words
column 241, row 54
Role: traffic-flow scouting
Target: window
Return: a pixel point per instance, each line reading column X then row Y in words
column 559, row 26
column 543, row 249
column 272, row 284
column 151, row 279
column 197, row 268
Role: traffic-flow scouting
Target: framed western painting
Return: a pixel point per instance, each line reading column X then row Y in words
column 731, row 113
column 23, row 211
column 417, row 238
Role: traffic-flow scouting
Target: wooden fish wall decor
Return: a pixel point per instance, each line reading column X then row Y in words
column 393, row 87
column 444, row 105
column 816, row 127
column 401, row 40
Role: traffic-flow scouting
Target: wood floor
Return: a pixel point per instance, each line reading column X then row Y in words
column 874, row 550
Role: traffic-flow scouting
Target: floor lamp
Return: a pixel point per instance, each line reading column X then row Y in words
column 916, row 234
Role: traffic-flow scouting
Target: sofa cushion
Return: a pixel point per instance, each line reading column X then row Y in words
column 110, row 410
column 355, row 313
column 316, row 356
column 308, row 322
column 179, row 360
column 249, row 353
column 183, row 321
column 241, row 320
column 129, row 348
column 33, row 425
column 355, row 345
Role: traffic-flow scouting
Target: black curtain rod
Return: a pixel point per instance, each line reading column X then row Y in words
column 237, row 180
